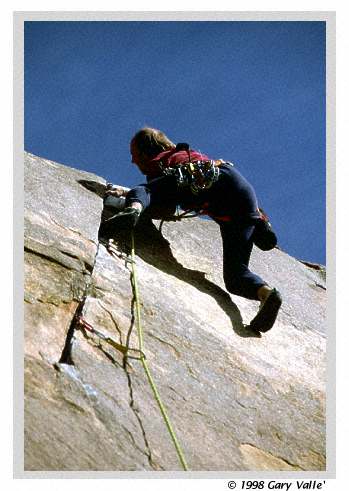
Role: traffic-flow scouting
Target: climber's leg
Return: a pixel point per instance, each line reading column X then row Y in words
column 237, row 247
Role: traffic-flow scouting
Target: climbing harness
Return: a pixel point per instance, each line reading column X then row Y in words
column 198, row 175
column 144, row 361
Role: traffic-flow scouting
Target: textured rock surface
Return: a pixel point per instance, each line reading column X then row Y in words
column 236, row 400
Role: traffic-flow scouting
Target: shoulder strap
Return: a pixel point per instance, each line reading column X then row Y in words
column 183, row 146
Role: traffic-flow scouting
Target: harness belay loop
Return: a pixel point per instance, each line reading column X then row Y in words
column 198, row 175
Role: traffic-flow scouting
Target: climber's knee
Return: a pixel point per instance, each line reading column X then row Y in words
column 233, row 285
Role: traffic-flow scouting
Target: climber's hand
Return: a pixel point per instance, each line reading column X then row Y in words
column 126, row 219
column 117, row 191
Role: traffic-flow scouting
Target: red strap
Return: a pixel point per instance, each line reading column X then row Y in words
column 220, row 218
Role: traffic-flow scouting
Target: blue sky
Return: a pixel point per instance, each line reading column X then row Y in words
column 249, row 92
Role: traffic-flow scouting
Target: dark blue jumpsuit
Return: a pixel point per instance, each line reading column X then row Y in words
column 230, row 195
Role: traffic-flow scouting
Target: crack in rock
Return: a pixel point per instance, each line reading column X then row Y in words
column 177, row 353
column 135, row 411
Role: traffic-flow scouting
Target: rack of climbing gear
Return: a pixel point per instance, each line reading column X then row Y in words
column 198, row 175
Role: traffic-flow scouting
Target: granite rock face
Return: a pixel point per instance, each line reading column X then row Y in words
column 237, row 401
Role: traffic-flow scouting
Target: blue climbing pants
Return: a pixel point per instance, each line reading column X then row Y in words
column 237, row 248
column 231, row 195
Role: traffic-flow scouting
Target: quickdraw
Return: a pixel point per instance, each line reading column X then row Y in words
column 83, row 325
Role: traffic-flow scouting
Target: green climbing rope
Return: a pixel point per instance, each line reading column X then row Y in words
column 145, row 364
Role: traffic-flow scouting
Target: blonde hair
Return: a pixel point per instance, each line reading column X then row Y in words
column 150, row 142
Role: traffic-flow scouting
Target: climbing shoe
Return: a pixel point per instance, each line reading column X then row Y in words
column 268, row 312
column 126, row 219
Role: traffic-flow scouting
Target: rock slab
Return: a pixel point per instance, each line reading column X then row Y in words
column 237, row 401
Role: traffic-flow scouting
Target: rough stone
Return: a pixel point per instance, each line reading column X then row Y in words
column 238, row 401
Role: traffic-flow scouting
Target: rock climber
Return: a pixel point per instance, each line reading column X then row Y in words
column 180, row 176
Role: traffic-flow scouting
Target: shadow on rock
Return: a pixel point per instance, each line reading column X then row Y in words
column 154, row 249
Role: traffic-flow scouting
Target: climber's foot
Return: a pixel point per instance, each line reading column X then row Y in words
column 268, row 312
